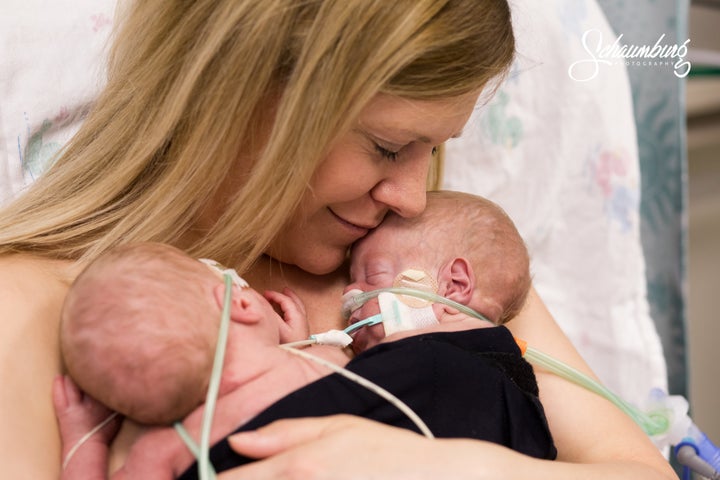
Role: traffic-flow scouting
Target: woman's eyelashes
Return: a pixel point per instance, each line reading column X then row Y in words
column 393, row 155
column 388, row 154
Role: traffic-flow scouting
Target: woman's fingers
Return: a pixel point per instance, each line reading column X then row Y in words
column 328, row 448
column 284, row 434
column 307, row 448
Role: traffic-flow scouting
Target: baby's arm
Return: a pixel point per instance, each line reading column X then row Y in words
column 296, row 326
column 77, row 415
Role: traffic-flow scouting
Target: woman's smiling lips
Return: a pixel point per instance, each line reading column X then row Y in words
column 358, row 230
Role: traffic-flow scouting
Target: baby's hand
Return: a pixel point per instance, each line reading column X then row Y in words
column 78, row 414
column 296, row 327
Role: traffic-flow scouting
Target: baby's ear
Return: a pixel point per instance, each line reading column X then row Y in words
column 456, row 280
column 242, row 306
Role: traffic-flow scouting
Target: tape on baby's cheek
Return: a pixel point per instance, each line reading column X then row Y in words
column 398, row 317
column 418, row 280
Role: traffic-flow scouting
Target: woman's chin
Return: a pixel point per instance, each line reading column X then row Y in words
column 322, row 264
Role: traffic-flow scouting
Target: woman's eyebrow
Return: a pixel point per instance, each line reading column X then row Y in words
column 424, row 139
column 405, row 133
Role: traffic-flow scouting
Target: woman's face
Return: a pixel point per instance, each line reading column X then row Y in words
column 381, row 164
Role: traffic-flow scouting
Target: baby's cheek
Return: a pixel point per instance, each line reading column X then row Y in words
column 368, row 337
column 376, row 334
column 370, row 308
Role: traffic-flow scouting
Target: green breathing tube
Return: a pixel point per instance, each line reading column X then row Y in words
column 202, row 451
column 359, row 299
column 653, row 424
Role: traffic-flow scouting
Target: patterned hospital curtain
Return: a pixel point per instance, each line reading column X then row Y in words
column 659, row 101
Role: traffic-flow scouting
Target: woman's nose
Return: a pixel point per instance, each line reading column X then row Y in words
column 405, row 190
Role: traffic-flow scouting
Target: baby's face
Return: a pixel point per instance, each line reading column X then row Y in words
column 375, row 263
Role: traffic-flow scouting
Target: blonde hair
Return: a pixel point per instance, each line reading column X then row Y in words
column 189, row 84
column 457, row 224
column 138, row 331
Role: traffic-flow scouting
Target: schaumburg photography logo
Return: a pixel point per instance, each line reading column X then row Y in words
column 659, row 54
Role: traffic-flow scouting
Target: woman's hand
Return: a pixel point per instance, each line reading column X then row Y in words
column 348, row 447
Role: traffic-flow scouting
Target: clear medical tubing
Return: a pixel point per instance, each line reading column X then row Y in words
column 359, row 299
column 202, row 452
column 362, row 381
column 214, row 386
column 653, row 424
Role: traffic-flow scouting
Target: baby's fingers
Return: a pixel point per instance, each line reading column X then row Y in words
column 293, row 312
column 65, row 393
column 294, row 297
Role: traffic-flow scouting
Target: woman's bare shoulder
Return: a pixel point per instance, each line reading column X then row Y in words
column 31, row 294
column 31, row 287
column 32, row 291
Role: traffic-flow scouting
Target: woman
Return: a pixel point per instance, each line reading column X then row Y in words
column 270, row 135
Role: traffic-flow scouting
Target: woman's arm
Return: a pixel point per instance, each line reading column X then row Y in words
column 595, row 440
column 586, row 427
column 30, row 299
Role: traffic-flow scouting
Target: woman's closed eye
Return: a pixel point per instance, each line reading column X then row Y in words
column 393, row 155
column 388, row 154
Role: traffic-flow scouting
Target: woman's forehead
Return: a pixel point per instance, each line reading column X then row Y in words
column 426, row 121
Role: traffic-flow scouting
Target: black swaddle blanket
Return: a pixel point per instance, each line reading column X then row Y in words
column 471, row 384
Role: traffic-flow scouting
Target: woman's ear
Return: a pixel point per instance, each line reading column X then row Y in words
column 457, row 280
column 242, row 306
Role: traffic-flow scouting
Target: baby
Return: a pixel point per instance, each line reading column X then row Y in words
column 150, row 314
column 414, row 368
column 463, row 247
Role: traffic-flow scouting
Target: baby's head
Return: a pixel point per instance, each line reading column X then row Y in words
column 139, row 328
column 465, row 243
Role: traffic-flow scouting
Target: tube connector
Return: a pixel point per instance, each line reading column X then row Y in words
column 688, row 456
column 335, row 338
